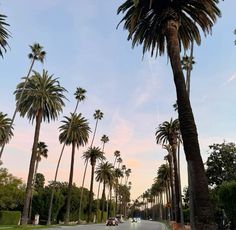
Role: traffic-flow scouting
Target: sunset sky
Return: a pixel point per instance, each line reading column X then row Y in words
column 136, row 93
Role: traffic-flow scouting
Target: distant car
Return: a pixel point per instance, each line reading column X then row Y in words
column 112, row 221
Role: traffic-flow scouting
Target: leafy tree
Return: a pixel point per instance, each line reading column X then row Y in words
column 92, row 154
column 227, row 194
column 39, row 181
column 169, row 25
column 37, row 53
column 221, row 164
column 4, row 34
column 11, row 191
column 42, row 100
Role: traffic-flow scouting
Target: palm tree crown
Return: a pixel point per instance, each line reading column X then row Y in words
column 79, row 130
column 37, row 52
column 42, row 93
column 4, row 34
column 168, row 132
column 93, row 154
column 4, row 126
column 146, row 21
column 98, row 115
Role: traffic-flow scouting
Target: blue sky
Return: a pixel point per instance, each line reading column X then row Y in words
column 85, row 49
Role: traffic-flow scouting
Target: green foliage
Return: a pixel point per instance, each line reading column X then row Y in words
column 227, row 195
column 186, row 214
column 9, row 217
column 221, row 164
column 39, row 181
column 99, row 216
column 11, row 191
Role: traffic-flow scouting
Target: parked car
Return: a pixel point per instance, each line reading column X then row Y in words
column 112, row 221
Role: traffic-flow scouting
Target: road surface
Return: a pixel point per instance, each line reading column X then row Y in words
column 128, row 225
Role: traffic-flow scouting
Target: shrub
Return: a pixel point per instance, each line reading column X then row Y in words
column 9, row 217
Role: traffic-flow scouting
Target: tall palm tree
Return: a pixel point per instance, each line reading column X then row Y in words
column 119, row 161
column 42, row 151
column 98, row 115
column 123, row 168
column 77, row 136
column 127, row 175
column 172, row 196
column 42, row 100
column 169, row 132
column 79, row 96
column 169, row 25
column 118, row 174
column 5, row 122
column 104, row 171
column 116, row 154
column 37, row 53
column 187, row 64
column 92, row 154
column 4, row 34
column 104, row 140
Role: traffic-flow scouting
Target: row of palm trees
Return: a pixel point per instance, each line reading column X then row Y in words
column 168, row 26
column 41, row 98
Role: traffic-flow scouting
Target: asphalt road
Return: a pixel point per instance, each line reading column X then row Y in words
column 128, row 225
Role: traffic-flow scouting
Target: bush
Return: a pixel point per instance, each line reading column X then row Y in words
column 9, row 217
column 227, row 194
column 186, row 214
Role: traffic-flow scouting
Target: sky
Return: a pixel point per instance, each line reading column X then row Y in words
column 135, row 92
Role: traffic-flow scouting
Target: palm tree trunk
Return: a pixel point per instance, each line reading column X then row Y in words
column 82, row 190
column 176, row 184
column 53, row 186
column 98, row 202
column 103, row 201
column 173, row 198
column 202, row 208
column 17, row 106
column 24, row 218
column 32, row 192
column 91, row 194
column 67, row 218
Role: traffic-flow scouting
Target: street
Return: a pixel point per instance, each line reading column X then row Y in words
column 128, row 225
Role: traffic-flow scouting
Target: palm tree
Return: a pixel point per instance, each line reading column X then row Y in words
column 77, row 136
column 93, row 154
column 104, row 172
column 4, row 34
column 123, row 168
column 118, row 174
column 116, row 154
column 79, row 96
column 127, row 175
column 104, row 140
column 163, row 175
column 169, row 25
column 169, row 132
column 98, row 115
column 187, row 64
column 5, row 122
column 42, row 151
column 36, row 54
column 42, row 100
column 119, row 160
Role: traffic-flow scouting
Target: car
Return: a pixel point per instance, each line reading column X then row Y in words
column 112, row 221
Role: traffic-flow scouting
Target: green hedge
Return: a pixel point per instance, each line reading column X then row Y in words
column 9, row 217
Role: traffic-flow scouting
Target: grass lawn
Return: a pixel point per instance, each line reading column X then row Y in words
column 25, row 227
